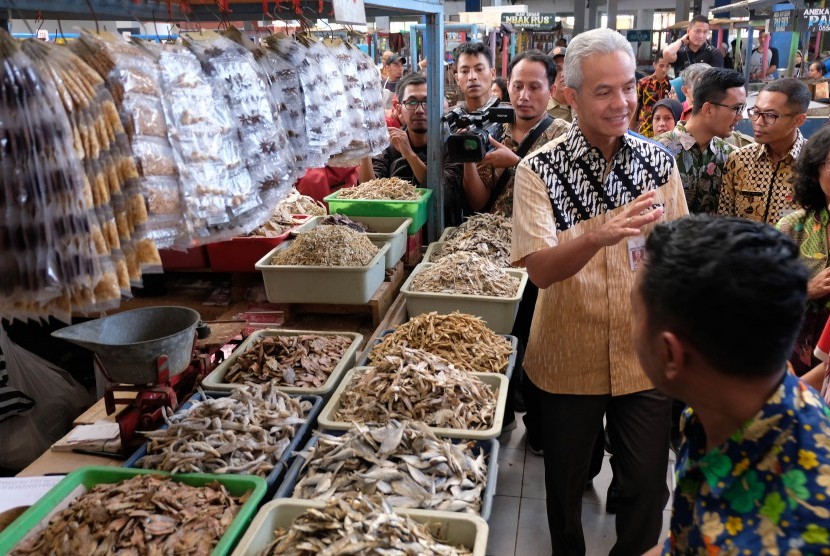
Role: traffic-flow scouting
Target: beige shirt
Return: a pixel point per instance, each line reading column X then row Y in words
column 561, row 111
column 580, row 339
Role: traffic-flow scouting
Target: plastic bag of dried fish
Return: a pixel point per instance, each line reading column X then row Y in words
column 488, row 235
column 303, row 361
column 147, row 514
column 244, row 433
column 382, row 188
column 465, row 273
column 327, row 246
column 415, row 384
column 404, row 461
column 463, row 340
column 362, row 525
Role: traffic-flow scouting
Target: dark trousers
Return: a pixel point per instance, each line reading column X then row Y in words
column 638, row 425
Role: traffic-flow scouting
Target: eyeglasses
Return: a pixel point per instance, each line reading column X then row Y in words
column 769, row 117
column 413, row 104
column 737, row 109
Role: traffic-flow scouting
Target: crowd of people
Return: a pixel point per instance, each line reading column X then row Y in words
column 679, row 281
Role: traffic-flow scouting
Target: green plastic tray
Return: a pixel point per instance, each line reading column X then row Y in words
column 84, row 478
column 416, row 210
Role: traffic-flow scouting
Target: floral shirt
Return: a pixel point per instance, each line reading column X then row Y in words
column 700, row 169
column 766, row 490
column 649, row 91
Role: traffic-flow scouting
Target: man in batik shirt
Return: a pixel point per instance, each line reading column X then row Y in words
column 753, row 470
column 650, row 90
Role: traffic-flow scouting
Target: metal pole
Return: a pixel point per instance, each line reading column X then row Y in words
column 433, row 50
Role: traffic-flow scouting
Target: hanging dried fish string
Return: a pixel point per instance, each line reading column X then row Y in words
column 146, row 514
column 485, row 234
column 362, row 525
column 405, row 461
column 304, row 361
column 246, row 432
column 414, row 384
column 463, row 340
column 382, row 188
column 327, row 246
column 465, row 273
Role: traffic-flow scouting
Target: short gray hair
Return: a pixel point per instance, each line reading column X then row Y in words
column 691, row 74
column 595, row 41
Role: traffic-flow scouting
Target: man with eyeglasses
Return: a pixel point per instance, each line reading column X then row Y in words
column 698, row 144
column 406, row 157
column 758, row 178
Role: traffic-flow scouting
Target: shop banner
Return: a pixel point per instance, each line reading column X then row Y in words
column 530, row 20
column 816, row 19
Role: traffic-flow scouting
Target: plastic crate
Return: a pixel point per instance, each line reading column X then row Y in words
column 216, row 379
column 83, row 479
column 416, row 210
column 498, row 312
column 471, row 531
column 497, row 381
column 240, row 254
column 489, row 447
column 173, row 259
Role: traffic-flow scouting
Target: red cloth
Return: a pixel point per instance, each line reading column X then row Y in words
column 687, row 111
column 320, row 182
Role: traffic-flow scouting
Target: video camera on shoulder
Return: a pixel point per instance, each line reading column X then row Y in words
column 470, row 132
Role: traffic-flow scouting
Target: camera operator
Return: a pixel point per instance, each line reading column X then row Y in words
column 475, row 74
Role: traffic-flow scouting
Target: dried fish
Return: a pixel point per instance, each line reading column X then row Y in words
column 327, row 246
column 415, row 384
column 485, row 234
column 465, row 273
column 146, row 514
column 246, row 432
column 297, row 203
column 463, row 340
column 362, row 525
column 405, row 460
column 382, row 188
column 343, row 220
column 304, row 361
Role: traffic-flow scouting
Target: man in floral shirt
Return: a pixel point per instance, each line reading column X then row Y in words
column 698, row 145
column 753, row 471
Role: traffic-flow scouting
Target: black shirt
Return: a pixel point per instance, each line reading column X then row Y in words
column 707, row 54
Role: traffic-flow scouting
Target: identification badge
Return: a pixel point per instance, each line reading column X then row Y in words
column 636, row 252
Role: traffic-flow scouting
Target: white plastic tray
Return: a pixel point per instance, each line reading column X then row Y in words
column 446, row 233
column 216, row 379
column 462, row 529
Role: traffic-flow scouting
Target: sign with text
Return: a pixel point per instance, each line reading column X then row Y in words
column 782, row 21
column 638, row 35
column 817, row 19
column 349, row 11
column 530, row 20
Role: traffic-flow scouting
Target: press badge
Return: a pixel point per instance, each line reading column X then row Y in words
column 636, row 251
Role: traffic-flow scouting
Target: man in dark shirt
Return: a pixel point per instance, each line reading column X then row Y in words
column 406, row 157
column 693, row 47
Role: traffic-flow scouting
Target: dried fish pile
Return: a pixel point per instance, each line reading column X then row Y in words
column 343, row 220
column 405, row 462
column 463, row 340
column 246, row 432
column 147, row 514
column 488, row 235
column 414, row 384
column 297, row 203
column 382, row 188
column 328, row 246
column 359, row 526
column 304, row 361
column 465, row 273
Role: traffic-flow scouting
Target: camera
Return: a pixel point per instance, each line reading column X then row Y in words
column 470, row 132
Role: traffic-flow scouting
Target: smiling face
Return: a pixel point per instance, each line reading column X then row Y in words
column 698, row 34
column 529, row 90
column 475, row 76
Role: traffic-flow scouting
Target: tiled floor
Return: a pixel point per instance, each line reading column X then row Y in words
column 518, row 522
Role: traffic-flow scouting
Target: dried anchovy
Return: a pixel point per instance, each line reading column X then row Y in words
column 414, row 384
column 146, row 514
column 488, row 235
column 463, row 340
column 304, row 361
column 245, row 433
column 382, row 188
column 362, row 525
column 465, row 273
column 343, row 220
column 404, row 461
column 328, row 246
column 297, row 203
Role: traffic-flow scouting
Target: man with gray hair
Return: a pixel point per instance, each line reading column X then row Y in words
column 583, row 204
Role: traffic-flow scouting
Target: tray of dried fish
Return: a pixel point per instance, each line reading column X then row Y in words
column 303, row 361
column 488, row 235
column 448, row 231
column 378, row 228
column 252, row 430
column 404, row 461
column 321, row 284
column 360, row 526
column 498, row 312
column 148, row 512
column 423, row 387
column 416, row 209
column 495, row 353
